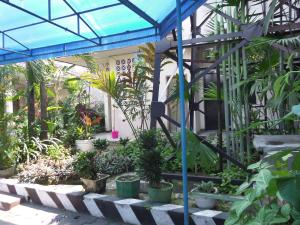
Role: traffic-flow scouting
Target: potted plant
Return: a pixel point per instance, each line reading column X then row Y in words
column 128, row 186
column 150, row 164
column 202, row 200
column 84, row 140
column 85, row 167
column 100, row 144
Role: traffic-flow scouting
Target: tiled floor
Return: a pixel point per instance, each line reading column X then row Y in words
column 29, row 214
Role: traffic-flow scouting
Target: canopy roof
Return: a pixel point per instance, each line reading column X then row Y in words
column 39, row 29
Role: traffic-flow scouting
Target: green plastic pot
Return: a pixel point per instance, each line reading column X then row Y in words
column 128, row 186
column 162, row 194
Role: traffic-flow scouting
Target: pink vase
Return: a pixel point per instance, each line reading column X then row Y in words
column 115, row 134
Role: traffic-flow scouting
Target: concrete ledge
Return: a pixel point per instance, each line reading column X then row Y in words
column 131, row 211
column 8, row 200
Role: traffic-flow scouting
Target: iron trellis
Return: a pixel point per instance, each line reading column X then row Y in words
column 240, row 38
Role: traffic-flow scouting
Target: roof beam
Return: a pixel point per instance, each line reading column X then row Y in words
column 80, row 17
column 49, row 21
column 66, row 16
column 13, row 51
column 4, row 34
column 139, row 12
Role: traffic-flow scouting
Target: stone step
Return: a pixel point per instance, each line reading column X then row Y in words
column 8, row 201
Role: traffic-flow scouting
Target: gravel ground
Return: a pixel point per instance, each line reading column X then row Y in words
column 29, row 214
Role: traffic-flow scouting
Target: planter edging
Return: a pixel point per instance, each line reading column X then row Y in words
column 132, row 211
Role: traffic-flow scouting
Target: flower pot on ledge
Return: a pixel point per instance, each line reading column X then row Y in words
column 85, row 145
column 6, row 173
column 95, row 186
column 162, row 194
column 128, row 186
column 204, row 200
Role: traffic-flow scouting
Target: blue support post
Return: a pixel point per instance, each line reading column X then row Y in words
column 182, row 113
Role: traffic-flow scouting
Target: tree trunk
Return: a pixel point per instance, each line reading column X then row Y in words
column 44, row 104
column 30, row 101
column 3, row 122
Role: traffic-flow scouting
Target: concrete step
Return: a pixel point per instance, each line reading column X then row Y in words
column 8, row 201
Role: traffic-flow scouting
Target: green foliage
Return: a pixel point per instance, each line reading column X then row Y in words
column 274, row 198
column 131, row 150
column 113, row 163
column 172, row 162
column 124, row 141
column 198, row 154
column 207, row 187
column 33, row 148
column 101, row 144
column 227, row 175
column 8, row 153
column 211, row 93
column 57, row 152
column 85, row 166
column 150, row 160
column 83, row 133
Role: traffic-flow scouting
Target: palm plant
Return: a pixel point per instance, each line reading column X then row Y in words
column 109, row 83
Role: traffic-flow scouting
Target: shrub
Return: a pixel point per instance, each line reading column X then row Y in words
column 131, row 150
column 48, row 171
column 172, row 162
column 227, row 175
column 207, row 187
column 70, row 136
column 150, row 160
column 100, row 144
column 84, row 165
column 124, row 141
column 57, row 152
column 113, row 163
column 271, row 194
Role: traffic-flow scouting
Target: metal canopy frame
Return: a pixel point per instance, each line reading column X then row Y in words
column 87, row 44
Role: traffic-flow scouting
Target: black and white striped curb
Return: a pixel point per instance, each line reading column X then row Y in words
column 131, row 211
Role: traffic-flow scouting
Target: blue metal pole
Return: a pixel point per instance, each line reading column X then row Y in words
column 182, row 113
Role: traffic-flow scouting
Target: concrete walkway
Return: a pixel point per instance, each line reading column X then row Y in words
column 30, row 214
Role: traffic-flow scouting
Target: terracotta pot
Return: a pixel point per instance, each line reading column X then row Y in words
column 96, row 186
column 7, row 172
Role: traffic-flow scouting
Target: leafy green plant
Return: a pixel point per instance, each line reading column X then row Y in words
column 101, row 144
column 85, row 166
column 150, row 160
column 172, row 162
column 124, row 141
column 227, row 175
column 113, row 163
column 8, row 153
column 57, row 152
column 273, row 198
column 199, row 156
column 131, row 150
column 207, row 187
column 83, row 133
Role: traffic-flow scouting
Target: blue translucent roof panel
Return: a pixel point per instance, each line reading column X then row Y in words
column 114, row 20
column 81, row 5
column 31, row 29
column 155, row 9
